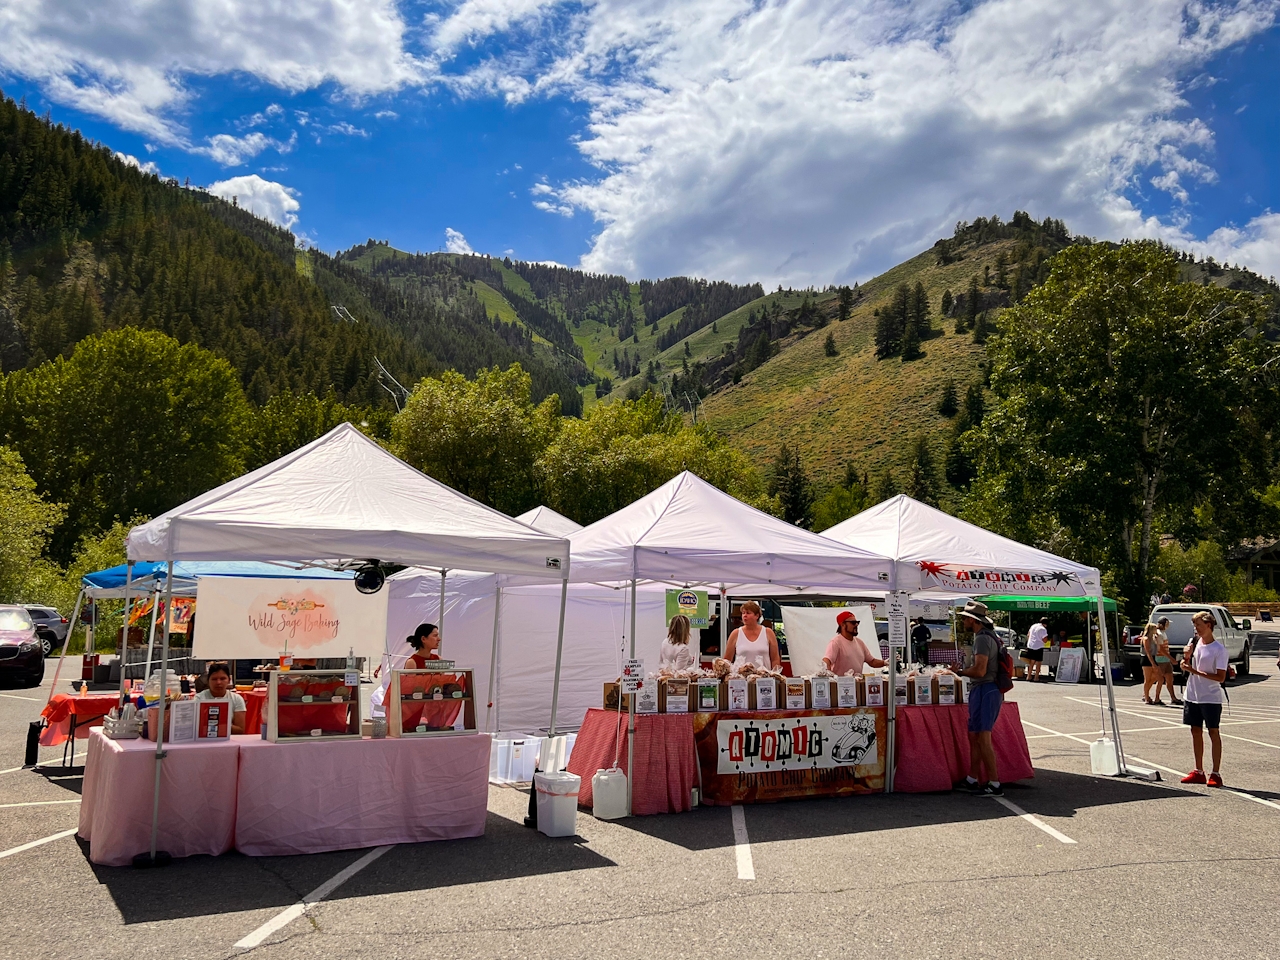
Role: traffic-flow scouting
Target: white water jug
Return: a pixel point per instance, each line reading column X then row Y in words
column 1102, row 755
column 609, row 794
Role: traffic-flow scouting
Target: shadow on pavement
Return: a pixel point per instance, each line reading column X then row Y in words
column 208, row 886
column 1051, row 793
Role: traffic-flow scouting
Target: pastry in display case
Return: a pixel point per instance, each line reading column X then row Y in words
column 436, row 701
column 313, row 705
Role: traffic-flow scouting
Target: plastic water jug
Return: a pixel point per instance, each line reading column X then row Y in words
column 1102, row 756
column 609, row 794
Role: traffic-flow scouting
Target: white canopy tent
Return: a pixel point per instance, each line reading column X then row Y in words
column 343, row 498
column 951, row 556
column 548, row 521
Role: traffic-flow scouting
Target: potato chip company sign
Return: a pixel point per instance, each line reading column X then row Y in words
column 978, row 580
column 690, row 603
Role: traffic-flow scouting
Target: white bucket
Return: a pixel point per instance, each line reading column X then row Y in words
column 609, row 794
column 1102, row 755
column 557, row 803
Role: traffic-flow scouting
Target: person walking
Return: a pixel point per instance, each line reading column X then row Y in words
column 1204, row 660
column 1164, row 662
column 920, row 637
column 985, row 700
column 1037, row 639
column 1151, row 675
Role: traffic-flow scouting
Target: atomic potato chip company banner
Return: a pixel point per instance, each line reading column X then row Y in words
column 771, row 755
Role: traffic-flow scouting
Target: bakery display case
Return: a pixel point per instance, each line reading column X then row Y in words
column 309, row 705
column 437, row 701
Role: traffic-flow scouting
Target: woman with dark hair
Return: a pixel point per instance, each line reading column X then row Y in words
column 218, row 680
column 425, row 642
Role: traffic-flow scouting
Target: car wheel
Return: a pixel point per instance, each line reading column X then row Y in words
column 1242, row 668
column 46, row 646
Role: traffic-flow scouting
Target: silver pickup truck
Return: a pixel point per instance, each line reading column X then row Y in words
column 1232, row 634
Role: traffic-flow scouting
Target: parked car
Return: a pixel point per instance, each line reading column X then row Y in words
column 1232, row 635
column 1009, row 636
column 21, row 658
column 51, row 627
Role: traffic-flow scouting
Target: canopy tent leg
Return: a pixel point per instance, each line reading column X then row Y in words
column 555, row 686
column 124, row 629
column 151, row 634
column 66, row 642
column 724, row 621
column 151, row 860
column 493, row 659
column 440, row 626
column 631, row 710
column 1125, row 769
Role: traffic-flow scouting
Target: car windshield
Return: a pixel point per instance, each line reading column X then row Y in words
column 15, row 620
column 1180, row 630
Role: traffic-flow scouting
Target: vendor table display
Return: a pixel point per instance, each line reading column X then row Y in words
column 306, row 705
column 348, row 794
column 432, row 702
column 197, row 802
column 70, row 716
column 666, row 768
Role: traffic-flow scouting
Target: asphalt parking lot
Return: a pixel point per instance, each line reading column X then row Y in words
column 1098, row 868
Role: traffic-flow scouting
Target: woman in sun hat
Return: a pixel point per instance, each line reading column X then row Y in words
column 985, row 699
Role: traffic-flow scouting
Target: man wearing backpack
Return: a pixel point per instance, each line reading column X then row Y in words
column 985, row 699
column 1204, row 661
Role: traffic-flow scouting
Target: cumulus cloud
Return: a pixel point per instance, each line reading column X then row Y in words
column 265, row 198
column 129, row 62
column 128, row 158
column 232, row 151
column 455, row 242
column 824, row 140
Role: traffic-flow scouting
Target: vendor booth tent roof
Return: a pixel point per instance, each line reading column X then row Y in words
column 110, row 583
column 689, row 532
column 954, row 556
column 548, row 521
column 344, row 497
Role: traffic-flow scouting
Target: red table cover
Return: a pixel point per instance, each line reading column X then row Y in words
column 666, row 762
column 348, row 794
column 933, row 747
column 330, row 717
column 197, row 798
column 88, row 711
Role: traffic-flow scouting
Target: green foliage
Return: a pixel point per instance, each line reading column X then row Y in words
column 845, row 304
column 922, row 473
column 623, row 450
column 947, row 302
column 884, row 488
column 26, row 523
column 481, row 437
column 790, row 484
column 829, row 346
column 291, row 420
column 1122, row 395
column 948, row 405
column 134, row 422
column 843, row 501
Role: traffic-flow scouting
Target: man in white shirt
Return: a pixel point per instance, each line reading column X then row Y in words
column 1037, row 640
column 1205, row 663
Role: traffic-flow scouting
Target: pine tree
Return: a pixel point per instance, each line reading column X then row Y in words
column 790, row 484
column 947, row 302
column 948, row 404
column 910, row 342
column 884, row 487
column 846, row 303
column 922, row 480
column 920, row 309
column 687, row 351
column 829, row 346
column 1002, row 271
column 972, row 302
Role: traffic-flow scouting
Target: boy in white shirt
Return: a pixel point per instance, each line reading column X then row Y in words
column 1204, row 660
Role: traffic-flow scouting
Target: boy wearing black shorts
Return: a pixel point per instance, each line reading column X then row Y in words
column 1204, row 660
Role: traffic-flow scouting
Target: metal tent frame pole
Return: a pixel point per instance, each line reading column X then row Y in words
column 66, row 642
column 440, row 626
column 631, row 710
column 555, row 688
column 124, row 630
column 493, row 660
column 164, row 697
column 151, row 633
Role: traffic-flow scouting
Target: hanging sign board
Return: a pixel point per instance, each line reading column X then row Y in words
column 897, row 603
column 248, row 617
column 632, row 675
column 692, row 604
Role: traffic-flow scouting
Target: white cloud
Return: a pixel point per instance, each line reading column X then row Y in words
column 475, row 19
column 386, row 115
column 455, row 242
column 266, row 198
column 232, row 151
column 806, row 141
column 147, row 167
column 129, row 62
column 349, row 129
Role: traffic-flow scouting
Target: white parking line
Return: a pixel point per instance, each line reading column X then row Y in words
column 1178, row 723
column 1034, row 821
column 37, row 843
column 286, row 917
column 14, row 696
column 36, row 803
column 742, row 844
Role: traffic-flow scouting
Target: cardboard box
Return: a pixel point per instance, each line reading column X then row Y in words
column 847, row 692
column 795, row 693
column 820, row 693
column 921, row 692
column 948, row 690
column 710, row 696
column 738, row 696
column 763, row 693
column 874, row 691
column 611, row 691
column 674, row 695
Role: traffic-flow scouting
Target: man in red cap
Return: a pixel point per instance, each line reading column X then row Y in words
column 846, row 652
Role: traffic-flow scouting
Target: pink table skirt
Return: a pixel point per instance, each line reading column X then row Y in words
column 197, row 799
column 350, row 794
column 666, row 762
column 933, row 747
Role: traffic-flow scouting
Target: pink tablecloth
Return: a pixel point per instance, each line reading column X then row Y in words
column 349, row 794
column 666, row 762
column 197, row 798
column 933, row 747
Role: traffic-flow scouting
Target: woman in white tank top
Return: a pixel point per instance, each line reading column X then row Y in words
column 753, row 642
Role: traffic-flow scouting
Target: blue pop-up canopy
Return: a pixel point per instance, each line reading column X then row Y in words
column 109, row 583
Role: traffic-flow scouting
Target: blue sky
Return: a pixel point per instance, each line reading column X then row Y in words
column 787, row 142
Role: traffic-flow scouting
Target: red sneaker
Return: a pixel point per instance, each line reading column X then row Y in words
column 1195, row 776
column 1215, row 779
